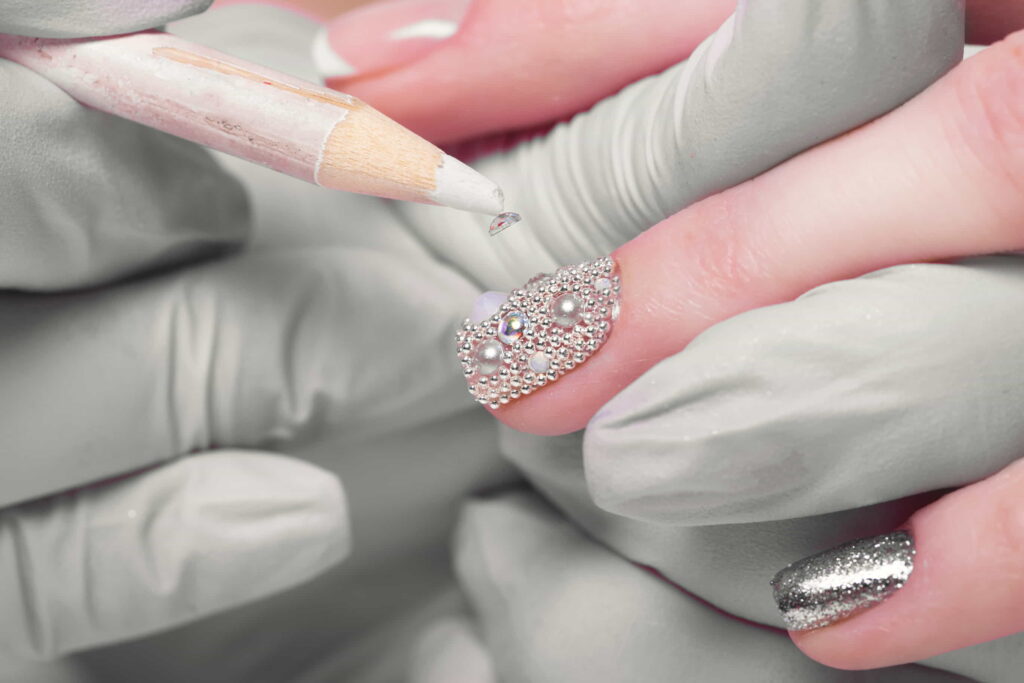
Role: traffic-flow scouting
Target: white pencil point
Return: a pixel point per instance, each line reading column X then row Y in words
column 460, row 187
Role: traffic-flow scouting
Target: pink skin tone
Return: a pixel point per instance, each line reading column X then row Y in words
column 943, row 174
column 965, row 589
column 488, row 71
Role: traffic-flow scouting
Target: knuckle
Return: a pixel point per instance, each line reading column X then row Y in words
column 989, row 117
column 723, row 259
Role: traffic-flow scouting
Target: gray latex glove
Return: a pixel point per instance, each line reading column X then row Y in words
column 89, row 197
column 86, row 198
column 901, row 381
column 266, row 347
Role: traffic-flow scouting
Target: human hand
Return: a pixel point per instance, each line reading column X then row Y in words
column 551, row 604
column 663, row 493
column 327, row 355
column 758, row 358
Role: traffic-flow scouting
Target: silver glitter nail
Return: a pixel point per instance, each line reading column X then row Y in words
column 837, row 583
column 543, row 330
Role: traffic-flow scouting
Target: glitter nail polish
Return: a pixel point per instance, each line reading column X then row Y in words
column 837, row 583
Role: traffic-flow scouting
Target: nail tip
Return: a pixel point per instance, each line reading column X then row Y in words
column 486, row 305
column 328, row 63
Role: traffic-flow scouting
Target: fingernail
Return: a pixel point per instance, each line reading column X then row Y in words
column 837, row 583
column 486, row 305
column 540, row 332
column 385, row 35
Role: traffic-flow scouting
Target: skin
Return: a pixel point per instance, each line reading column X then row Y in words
column 461, row 72
column 681, row 276
column 965, row 588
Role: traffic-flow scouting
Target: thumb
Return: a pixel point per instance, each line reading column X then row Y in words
column 504, row 64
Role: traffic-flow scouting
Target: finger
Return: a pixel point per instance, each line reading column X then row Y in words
column 162, row 548
column 774, row 80
column 765, row 242
column 88, row 197
column 961, row 587
column 450, row 651
column 858, row 392
column 503, row 65
column 541, row 591
column 270, row 346
column 82, row 18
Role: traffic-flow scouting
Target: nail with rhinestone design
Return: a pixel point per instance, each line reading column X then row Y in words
column 837, row 583
column 540, row 332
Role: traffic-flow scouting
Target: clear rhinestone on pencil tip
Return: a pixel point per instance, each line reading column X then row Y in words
column 503, row 221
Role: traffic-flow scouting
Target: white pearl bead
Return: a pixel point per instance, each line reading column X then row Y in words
column 539, row 362
column 566, row 310
column 488, row 357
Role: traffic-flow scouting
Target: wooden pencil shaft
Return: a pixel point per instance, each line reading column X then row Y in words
column 270, row 118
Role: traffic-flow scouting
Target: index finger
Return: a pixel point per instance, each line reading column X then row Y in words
column 938, row 178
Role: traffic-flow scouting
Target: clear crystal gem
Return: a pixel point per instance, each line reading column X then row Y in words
column 504, row 221
column 512, row 326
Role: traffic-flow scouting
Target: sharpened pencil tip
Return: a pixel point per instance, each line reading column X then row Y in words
column 460, row 187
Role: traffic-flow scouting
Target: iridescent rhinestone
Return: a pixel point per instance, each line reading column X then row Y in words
column 512, row 326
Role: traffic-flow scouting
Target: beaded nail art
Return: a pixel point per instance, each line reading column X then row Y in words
column 542, row 331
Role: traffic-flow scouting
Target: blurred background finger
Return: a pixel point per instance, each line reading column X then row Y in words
column 175, row 544
column 503, row 65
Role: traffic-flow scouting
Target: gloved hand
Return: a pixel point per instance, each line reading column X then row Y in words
column 88, row 198
column 555, row 605
column 634, row 444
column 289, row 363
column 725, row 432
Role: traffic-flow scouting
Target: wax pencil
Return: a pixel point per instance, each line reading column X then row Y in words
column 295, row 127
